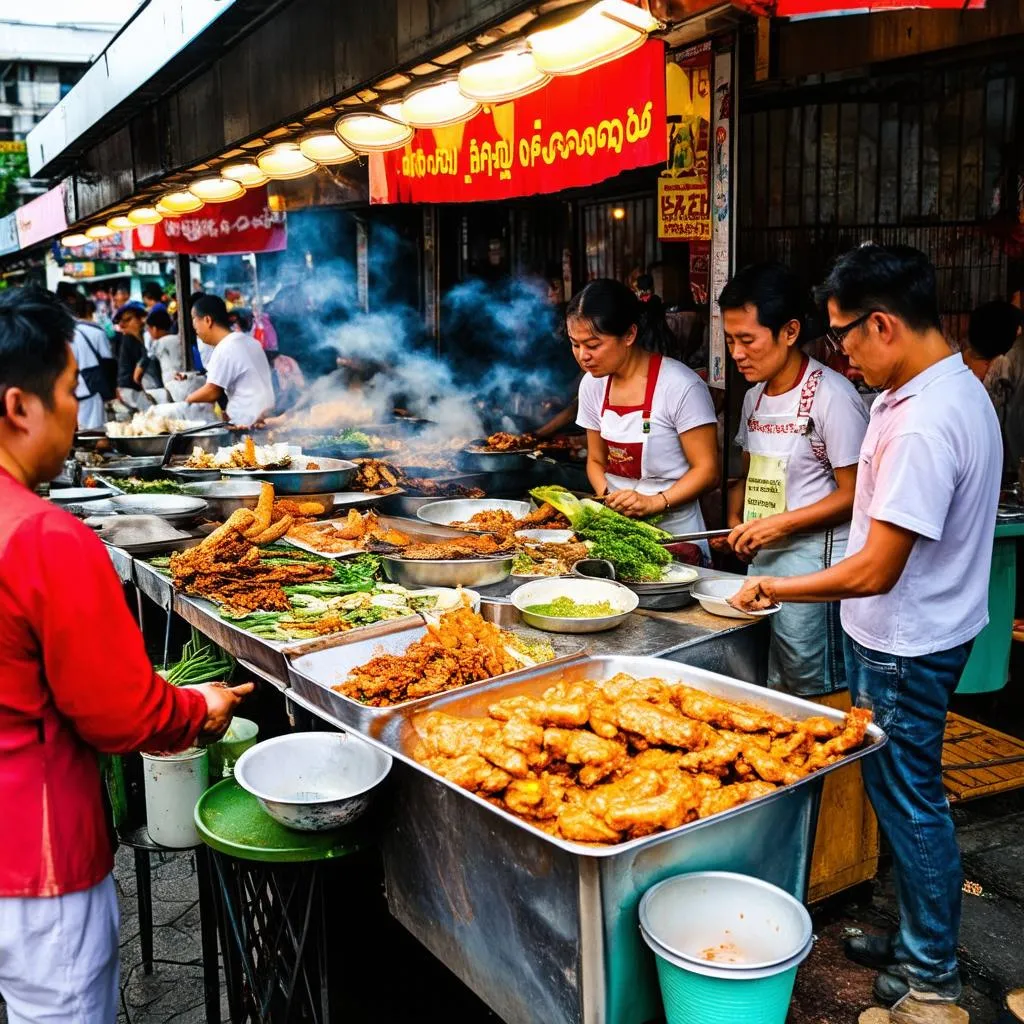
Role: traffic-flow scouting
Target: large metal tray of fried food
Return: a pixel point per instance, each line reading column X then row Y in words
column 312, row 675
column 397, row 732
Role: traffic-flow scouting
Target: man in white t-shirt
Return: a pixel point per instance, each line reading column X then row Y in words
column 238, row 371
column 914, row 587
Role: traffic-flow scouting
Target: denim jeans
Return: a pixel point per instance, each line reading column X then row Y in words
column 909, row 698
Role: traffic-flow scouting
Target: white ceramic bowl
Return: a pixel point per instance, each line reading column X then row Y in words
column 582, row 591
column 313, row 781
column 714, row 595
column 545, row 536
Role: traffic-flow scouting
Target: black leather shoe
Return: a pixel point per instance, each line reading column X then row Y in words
column 893, row 984
column 875, row 951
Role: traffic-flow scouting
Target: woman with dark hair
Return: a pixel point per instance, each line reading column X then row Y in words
column 652, row 445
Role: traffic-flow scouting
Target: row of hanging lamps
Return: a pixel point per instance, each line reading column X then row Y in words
column 145, row 215
column 584, row 36
column 326, row 148
column 437, row 103
column 284, row 161
column 499, row 76
column 98, row 231
column 75, row 241
column 245, row 172
column 177, row 203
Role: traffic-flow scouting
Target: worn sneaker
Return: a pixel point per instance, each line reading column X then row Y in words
column 877, row 951
column 896, row 982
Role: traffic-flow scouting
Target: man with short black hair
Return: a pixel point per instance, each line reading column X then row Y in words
column 75, row 681
column 152, row 295
column 129, row 320
column 914, row 588
column 237, row 371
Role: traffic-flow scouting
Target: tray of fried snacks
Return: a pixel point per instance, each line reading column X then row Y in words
column 361, row 681
column 607, row 753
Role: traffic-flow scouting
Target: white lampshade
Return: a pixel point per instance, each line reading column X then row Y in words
column 578, row 39
column 99, row 231
column 502, row 75
column 75, row 241
column 325, row 148
column 247, row 174
column 215, row 189
column 437, row 103
column 393, row 109
column 285, row 160
column 370, row 131
column 120, row 223
column 145, row 215
column 174, row 204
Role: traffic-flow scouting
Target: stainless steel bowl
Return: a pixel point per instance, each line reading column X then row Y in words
column 493, row 462
column 225, row 496
column 581, row 591
column 155, row 444
column 461, row 510
column 448, row 572
column 313, row 781
column 172, row 508
column 332, row 475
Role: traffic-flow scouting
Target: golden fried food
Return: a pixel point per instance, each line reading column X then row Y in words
column 503, row 441
column 603, row 762
column 478, row 546
column 547, row 517
column 374, row 475
column 263, row 511
column 492, row 520
column 239, row 521
column 342, row 536
column 273, row 532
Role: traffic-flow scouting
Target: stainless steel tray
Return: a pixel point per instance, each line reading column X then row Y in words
column 398, row 733
column 313, row 674
column 446, row 511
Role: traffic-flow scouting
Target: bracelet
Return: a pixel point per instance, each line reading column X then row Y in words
column 664, row 498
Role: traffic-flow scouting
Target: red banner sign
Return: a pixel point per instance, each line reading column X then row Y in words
column 577, row 130
column 246, row 224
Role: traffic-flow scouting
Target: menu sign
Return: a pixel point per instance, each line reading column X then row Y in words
column 577, row 130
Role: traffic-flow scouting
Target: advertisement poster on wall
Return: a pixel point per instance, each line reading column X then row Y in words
column 684, row 202
column 721, row 212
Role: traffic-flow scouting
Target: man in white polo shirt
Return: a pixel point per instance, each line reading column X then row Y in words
column 238, row 370
column 914, row 588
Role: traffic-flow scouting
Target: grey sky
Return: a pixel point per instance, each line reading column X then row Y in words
column 74, row 12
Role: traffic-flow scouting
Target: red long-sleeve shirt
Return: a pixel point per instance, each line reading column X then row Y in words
column 74, row 680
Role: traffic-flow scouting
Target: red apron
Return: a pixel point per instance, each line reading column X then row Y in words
column 625, row 429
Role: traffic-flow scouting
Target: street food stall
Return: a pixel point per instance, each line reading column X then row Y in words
column 414, row 633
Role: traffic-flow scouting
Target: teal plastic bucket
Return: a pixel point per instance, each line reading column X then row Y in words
column 727, row 947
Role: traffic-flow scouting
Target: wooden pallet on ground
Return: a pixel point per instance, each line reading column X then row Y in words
column 978, row 760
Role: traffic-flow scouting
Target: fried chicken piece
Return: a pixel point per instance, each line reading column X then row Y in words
column 564, row 713
column 451, row 736
column 771, row 769
column 536, row 798
column 665, row 762
column 660, row 726
column 351, row 528
column 577, row 824
column 470, row 771
column 503, row 441
column 273, row 532
column 547, row 517
column 598, row 756
column 298, row 510
column 637, row 784
column 852, row 736
column 625, row 687
column 726, row 714
column 670, row 809
column 718, row 800
column 519, row 734
column 497, row 521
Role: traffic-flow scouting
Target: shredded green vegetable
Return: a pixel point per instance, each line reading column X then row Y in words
column 567, row 608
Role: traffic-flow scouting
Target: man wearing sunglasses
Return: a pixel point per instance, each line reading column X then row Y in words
column 913, row 586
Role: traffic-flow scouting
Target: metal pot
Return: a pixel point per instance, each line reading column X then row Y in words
column 154, row 444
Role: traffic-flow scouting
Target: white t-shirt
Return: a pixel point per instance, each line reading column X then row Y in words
column 167, row 351
column 90, row 407
column 681, row 402
column 931, row 462
column 239, row 366
column 839, row 420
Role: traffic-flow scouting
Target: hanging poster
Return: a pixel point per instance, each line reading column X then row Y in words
column 684, row 207
column 721, row 213
column 577, row 130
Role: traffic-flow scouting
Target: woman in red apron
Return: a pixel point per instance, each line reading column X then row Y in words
column 652, row 441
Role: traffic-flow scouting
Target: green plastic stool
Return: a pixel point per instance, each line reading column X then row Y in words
column 988, row 667
column 270, row 906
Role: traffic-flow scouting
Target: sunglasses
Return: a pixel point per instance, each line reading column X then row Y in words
column 836, row 336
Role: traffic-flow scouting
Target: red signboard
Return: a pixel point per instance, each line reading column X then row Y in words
column 811, row 8
column 577, row 130
column 246, row 224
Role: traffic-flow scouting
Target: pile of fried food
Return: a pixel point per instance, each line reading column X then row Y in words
column 244, row 455
column 228, row 566
column 483, row 545
column 459, row 648
column 375, row 475
column 341, row 536
column 548, row 559
column 146, row 424
column 504, row 524
column 604, row 762
column 503, row 441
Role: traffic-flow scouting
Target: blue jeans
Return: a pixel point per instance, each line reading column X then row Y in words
column 909, row 698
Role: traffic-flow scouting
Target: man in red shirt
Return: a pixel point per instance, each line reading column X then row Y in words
column 74, row 681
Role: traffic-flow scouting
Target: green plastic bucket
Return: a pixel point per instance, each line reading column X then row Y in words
column 727, row 947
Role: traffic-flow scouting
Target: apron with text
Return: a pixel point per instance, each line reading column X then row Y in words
column 625, row 431
column 806, row 655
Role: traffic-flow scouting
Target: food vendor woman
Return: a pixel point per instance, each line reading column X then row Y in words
column 801, row 430
column 652, row 445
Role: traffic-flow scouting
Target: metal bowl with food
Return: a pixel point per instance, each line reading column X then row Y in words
column 461, row 510
column 566, row 605
column 174, row 508
column 330, row 475
column 313, row 781
column 447, row 572
column 225, row 496
column 156, row 444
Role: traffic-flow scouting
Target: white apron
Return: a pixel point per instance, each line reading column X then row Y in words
column 625, row 431
column 806, row 654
